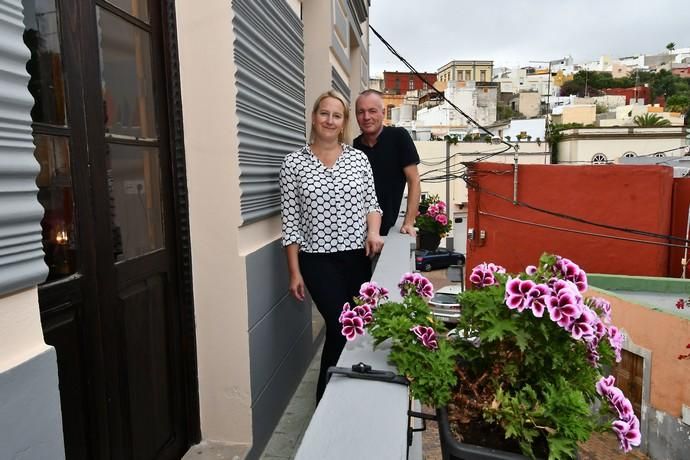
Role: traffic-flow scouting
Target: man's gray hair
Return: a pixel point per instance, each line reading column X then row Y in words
column 369, row 92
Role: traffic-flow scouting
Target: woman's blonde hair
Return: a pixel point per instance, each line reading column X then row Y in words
column 344, row 135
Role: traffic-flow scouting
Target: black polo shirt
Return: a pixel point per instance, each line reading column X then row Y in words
column 393, row 151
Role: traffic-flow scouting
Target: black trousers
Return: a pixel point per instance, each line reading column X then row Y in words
column 333, row 279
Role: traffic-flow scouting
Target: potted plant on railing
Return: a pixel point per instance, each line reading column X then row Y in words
column 522, row 371
column 432, row 223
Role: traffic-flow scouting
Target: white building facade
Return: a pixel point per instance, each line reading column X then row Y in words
column 606, row 145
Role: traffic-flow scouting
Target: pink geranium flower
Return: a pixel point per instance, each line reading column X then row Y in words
column 572, row 272
column 627, row 427
column 616, row 341
column 414, row 282
column 371, row 293
column 352, row 325
column 427, row 336
column 605, row 384
column 517, row 294
column 483, row 274
column 345, row 309
column 364, row 312
column 563, row 308
column 583, row 327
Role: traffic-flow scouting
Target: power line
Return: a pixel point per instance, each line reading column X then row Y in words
column 461, row 170
column 435, row 163
column 579, row 232
column 663, row 151
column 469, row 118
column 575, row 218
column 431, row 86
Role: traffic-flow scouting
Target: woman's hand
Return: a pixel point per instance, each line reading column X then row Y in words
column 297, row 286
column 373, row 244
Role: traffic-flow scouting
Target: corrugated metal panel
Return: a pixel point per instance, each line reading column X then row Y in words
column 339, row 84
column 21, row 251
column 340, row 23
column 359, row 7
column 354, row 16
column 269, row 55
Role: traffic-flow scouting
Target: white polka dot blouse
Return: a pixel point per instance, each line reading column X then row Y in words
column 325, row 209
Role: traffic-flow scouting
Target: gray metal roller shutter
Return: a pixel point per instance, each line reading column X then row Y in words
column 269, row 56
column 339, row 84
column 21, row 250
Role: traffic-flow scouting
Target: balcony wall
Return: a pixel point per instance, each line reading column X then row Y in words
column 378, row 410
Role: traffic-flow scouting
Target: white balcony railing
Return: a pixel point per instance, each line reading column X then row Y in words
column 366, row 419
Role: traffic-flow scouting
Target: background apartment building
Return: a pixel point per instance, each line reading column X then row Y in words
column 466, row 71
column 401, row 82
column 602, row 145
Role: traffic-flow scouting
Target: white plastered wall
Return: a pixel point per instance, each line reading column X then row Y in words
column 20, row 322
column 615, row 142
column 318, row 26
column 207, row 73
column 434, row 154
column 318, row 19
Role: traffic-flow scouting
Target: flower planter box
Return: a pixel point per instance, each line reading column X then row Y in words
column 531, row 355
column 428, row 241
column 452, row 449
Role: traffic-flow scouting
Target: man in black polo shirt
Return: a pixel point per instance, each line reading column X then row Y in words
column 393, row 159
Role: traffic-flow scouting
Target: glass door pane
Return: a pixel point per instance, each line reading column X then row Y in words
column 57, row 198
column 135, row 190
column 131, row 134
column 42, row 37
column 126, row 78
column 137, row 8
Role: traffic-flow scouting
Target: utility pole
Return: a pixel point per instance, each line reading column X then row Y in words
column 449, row 239
column 548, row 96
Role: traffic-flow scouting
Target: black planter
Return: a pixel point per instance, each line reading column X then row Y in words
column 428, row 241
column 452, row 449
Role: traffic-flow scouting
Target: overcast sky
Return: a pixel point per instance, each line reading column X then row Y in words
column 430, row 33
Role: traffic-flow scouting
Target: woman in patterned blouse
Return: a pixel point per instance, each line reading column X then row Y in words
column 331, row 220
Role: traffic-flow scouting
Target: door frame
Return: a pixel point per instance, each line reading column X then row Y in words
column 94, row 325
column 183, row 242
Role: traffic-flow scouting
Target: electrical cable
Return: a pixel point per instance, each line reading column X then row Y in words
column 442, row 168
column 446, row 177
column 455, row 174
column 579, row 232
column 431, row 86
column 662, row 151
column 470, row 119
column 574, row 218
column 434, row 163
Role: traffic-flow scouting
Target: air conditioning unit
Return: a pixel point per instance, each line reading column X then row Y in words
column 681, row 171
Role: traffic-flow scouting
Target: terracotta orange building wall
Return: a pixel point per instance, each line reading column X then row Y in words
column 666, row 340
column 641, row 92
column 637, row 197
column 681, row 203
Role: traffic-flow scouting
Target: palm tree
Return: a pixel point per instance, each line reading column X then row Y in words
column 649, row 120
column 671, row 46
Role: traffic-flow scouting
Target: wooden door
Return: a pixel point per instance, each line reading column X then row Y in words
column 629, row 378
column 111, row 304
